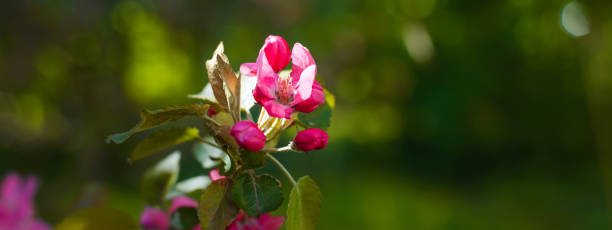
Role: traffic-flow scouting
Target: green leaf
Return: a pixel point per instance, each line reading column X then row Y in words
column 257, row 195
column 152, row 119
column 185, row 218
column 224, row 118
column 158, row 180
column 216, row 210
column 330, row 99
column 304, row 205
column 319, row 118
column 163, row 139
column 252, row 160
column 98, row 219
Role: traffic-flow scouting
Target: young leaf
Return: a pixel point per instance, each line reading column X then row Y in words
column 152, row 119
column 98, row 219
column 320, row 118
column 304, row 205
column 158, row 180
column 224, row 82
column 216, row 210
column 215, row 77
column 163, row 139
column 252, row 160
column 257, row 195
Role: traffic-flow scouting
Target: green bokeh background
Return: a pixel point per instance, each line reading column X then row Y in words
column 468, row 114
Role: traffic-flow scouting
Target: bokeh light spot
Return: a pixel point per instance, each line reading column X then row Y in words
column 574, row 19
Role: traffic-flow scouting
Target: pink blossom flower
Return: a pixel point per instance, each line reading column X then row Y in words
column 311, row 139
column 214, row 175
column 279, row 95
column 248, row 136
column 155, row 219
column 16, row 204
column 264, row 222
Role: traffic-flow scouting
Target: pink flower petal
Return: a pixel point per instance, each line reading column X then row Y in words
column 317, row 97
column 304, row 85
column 11, row 187
column 214, row 175
column 182, row 202
column 301, row 59
column 154, row 219
column 277, row 52
column 39, row 225
column 268, row 222
column 266, row 77
column 248, row 69
column 276, row 109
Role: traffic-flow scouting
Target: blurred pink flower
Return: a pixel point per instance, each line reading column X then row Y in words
column 310, row 139
column 248, row 136
column 155, row 219
column 264, row 222
column 279, row 95
column 16, row 204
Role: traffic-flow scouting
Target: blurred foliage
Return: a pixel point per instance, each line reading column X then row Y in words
column 464, row 114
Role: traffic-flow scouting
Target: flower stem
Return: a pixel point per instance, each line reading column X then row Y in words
column 281, row 149
column 282, row 168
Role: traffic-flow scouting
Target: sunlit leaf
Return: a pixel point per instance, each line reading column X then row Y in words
column 330, row 99
column 224, row 118
column 98, row 219
column 257, row 195
column 319, row 118
column 158, row 180
column 216, row 210
column 194, row 185
column 224, row 82
column 304, row 205
column 152, row 119
column 163, row 139
column 215, row 76
column 210, row 156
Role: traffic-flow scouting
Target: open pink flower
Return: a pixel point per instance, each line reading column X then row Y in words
column 279, row 95
column 16, row 204
column 264, row 222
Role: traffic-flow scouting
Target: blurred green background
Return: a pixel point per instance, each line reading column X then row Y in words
column 468, row 114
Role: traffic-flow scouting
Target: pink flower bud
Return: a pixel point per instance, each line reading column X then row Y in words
column 311, row 139
column 248, row 136
column 211, row 112
column 153, row 218
column 215, row 175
